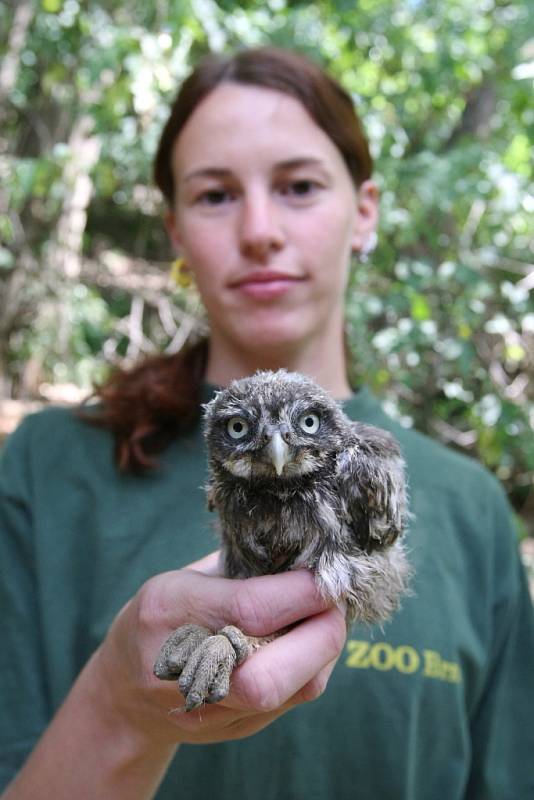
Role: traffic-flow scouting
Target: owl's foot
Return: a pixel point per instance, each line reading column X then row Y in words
column 201, row 661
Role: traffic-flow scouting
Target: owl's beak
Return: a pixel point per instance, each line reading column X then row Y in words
column 279, row 452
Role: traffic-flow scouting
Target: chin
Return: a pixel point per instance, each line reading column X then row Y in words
column 272, row 335
column 274, row 332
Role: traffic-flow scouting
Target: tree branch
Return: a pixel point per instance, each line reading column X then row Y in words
column 9, row 69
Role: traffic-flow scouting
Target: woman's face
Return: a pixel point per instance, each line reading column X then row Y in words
column 266, row 215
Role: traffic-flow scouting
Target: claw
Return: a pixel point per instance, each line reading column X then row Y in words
column 202, row 662
column 177, row 649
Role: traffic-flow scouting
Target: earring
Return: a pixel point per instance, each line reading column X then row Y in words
column 368, row 247
column 363, row 253
column 180, row 274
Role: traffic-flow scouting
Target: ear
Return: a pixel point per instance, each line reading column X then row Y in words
column 366, row 216
column 172, row 229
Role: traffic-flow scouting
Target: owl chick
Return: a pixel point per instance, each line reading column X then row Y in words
column 297, row 485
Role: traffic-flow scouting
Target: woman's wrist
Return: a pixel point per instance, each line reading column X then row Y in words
column 93, row 749
column 124, row 713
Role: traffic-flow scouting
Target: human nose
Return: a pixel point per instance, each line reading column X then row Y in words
column 260, row 229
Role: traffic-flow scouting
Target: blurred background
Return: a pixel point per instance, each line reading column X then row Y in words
column 441, row 317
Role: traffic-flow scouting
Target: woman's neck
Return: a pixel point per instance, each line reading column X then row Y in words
column 320, row 361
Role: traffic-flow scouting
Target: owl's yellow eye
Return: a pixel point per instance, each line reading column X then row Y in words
column 309, row 423
column 237, row 427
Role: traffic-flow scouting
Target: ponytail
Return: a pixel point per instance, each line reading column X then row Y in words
column 148, row 406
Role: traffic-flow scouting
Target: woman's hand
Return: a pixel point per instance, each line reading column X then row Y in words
column 289, row 670
column 118, row 729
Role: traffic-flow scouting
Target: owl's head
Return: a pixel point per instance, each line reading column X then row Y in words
column 273, row 425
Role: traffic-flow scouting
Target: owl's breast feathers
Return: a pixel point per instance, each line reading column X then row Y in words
column 267, row 524
column 353, row 504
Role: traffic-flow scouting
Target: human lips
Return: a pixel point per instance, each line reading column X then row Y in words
column 266, row 284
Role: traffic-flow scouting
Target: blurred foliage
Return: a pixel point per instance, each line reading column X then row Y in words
column 440, row 316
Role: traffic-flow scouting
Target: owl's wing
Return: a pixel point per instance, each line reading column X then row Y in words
column 372, row 483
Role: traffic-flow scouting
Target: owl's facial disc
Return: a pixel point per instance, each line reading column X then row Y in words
column 278, row 451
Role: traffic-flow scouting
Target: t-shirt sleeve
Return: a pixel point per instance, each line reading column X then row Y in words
column 501, row 727
column 22, row 685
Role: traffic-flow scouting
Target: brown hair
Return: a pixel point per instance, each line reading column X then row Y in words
column 284, row 71
column 149, row 405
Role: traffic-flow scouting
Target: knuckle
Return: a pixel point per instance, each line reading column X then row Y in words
column 151, row 606
column 148, row 606
column 314, row 688
column 335, row 635
column 260, row 691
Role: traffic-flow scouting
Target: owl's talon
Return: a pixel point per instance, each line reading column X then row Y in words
column 177, row 649
column 201, row 662
column 192, row 701
column 238, row 641
column 222, row 689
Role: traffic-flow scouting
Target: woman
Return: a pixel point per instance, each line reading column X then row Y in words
column 267, row 176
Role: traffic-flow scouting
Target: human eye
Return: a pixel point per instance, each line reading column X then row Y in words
column 300, row 189
column 213, row 197
column 303, row 187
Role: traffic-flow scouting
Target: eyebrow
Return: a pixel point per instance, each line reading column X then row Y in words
column 223, row 172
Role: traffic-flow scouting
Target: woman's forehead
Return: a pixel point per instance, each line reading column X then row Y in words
column 236, row 121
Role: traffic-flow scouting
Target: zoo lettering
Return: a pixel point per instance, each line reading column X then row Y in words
column 406, row 659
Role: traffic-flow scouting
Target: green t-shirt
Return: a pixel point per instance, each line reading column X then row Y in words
column 437, row 704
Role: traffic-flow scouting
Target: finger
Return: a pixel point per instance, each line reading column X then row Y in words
column 257, row 606
column 214, row 723
column 279, row 671
column 205, row 724
column 314, row 688
column 309, row 692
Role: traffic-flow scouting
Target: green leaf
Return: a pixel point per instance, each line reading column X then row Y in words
column 52, row 6
column 419, row 308
column 518, row 155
